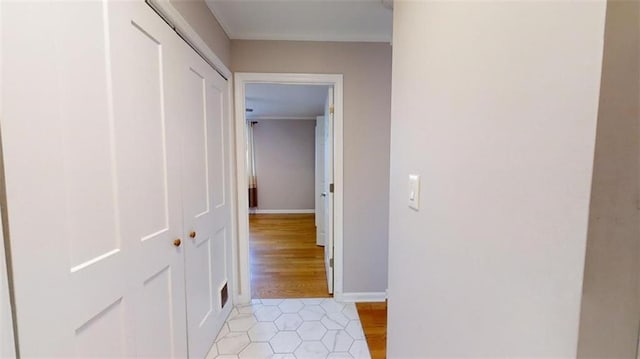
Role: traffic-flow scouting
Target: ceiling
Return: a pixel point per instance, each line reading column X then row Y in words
column 276, row 101
column 309, row 20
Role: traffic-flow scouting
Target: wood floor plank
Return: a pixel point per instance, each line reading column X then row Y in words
column 285, row 262
column 373, row 317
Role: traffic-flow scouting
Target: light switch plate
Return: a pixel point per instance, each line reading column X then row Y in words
column 414, row 192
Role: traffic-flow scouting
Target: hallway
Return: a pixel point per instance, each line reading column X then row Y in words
column 286, row 263
column 292, row 328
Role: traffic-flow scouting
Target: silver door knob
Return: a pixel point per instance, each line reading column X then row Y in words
column 323, row 194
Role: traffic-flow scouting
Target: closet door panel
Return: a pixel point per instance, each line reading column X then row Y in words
column 216, row 134
column 195, row 140
column 97, row 255
column 147, row 108
column 206, row 213
column 142, row 139
column 85, row 109
column 68, row 258
column 97, row 337
column 202, row 302
column 155, row 335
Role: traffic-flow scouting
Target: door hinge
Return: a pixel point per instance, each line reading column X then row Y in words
column 331, row 262
column 331, row 109
column 331, row 187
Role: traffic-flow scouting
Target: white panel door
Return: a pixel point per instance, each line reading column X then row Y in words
column 69, row 259
column 320, row 180
column 147, row 126
column 328, row 174
column 205, row 183
column 91, row 150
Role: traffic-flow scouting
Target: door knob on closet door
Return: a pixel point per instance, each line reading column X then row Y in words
column 192, row 234
column 177, row 242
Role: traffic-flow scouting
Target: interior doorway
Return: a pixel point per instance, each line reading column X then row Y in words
column 286, row 248
column 288, row 154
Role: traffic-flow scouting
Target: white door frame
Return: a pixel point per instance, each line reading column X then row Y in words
column 243, row 295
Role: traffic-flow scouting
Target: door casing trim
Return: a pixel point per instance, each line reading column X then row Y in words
column 241, row 256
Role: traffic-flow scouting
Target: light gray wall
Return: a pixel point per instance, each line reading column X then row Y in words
column 495, row 106
column 285, row 163
column 205, row 24
column 367, row 105
column 7, row 345
column 610, row 305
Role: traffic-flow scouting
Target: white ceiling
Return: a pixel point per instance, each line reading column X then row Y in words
column 275, row 101
column 312, row 20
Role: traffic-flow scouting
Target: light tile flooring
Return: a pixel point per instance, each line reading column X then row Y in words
column 292, row 329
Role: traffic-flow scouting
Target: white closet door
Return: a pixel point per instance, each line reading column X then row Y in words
column 146, row 56
column 89, row 138
column 206, row 201
column 69, row 259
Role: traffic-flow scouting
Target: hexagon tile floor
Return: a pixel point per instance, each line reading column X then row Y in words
column 292, row 329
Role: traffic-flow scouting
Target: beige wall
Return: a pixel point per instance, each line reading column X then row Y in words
column 495, row 106
column 367, row 96
column 610, row 306
column 205, row 24
column 285, row 163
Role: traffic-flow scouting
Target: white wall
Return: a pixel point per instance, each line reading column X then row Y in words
column 285, row 164
column 494, row 104
column 7, row 348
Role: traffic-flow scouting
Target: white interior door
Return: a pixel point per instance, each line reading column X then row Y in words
column 69, row 260
column 206, row 202
column 320, row 181
column 328, row 175
column 91, row 154
column 148, row 121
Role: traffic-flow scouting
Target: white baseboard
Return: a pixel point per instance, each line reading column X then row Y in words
column 240, row 299
column 281, row 211
column 362, row 297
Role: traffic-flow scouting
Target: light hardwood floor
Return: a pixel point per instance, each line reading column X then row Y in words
column 373, row 317
column 286, row 263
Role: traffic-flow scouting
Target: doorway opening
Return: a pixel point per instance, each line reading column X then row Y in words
column 289, row 171
column 288, row 189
